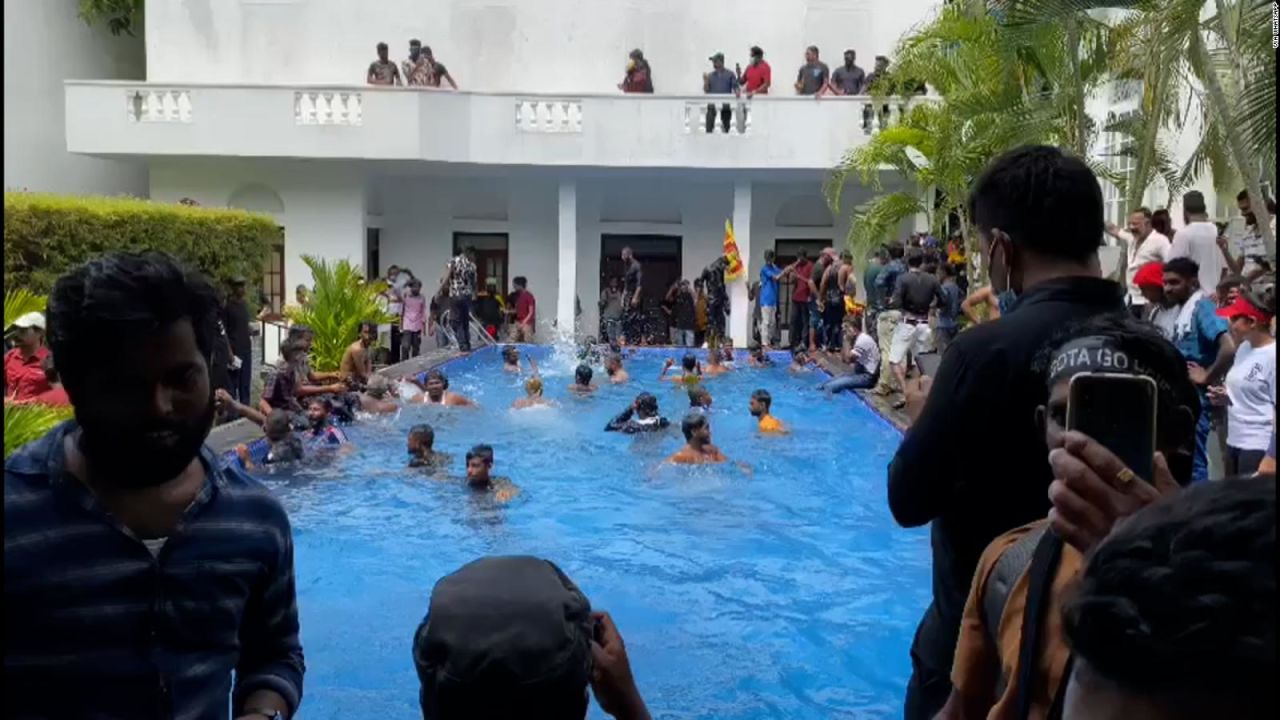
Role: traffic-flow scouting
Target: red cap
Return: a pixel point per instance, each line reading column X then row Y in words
column 1150, row 275
column 1243, row 308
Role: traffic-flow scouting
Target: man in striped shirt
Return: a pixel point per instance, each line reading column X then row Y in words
column 139, row 573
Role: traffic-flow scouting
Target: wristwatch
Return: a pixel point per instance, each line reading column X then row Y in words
column 267, row 713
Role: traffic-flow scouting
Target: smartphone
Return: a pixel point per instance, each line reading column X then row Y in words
column 1119, row 412
column 928, row 363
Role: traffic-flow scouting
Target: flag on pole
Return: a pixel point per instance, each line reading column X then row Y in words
column 735, row 269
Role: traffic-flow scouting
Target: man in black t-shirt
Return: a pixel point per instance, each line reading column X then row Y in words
column 235, row 318
column 973, row 463
column 632, row 308
column 717, row 299
column 915, row 293
column 848, row 79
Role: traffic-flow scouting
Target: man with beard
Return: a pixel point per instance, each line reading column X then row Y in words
column 178, row 571
column 436, row 392
column 1039, row 217
column 357, row 363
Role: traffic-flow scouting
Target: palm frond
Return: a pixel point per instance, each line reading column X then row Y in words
column 19, row 302
column 340, row 300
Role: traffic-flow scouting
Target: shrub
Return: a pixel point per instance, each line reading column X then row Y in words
column 47, row 235
column 26, row 422
column 340, row 300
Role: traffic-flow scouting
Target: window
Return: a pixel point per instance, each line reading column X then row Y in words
column 273, row 284
column 1116, row 153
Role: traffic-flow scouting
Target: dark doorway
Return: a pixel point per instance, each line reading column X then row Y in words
column 372, row 253
column 662, row 258
column 786, row 252
column 491, row 257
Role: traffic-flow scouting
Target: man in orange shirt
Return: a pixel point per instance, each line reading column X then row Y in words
column 23, row 365
column 761, row 402
column 1017, row 572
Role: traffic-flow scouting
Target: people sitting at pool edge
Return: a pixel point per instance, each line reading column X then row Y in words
column 641, row 417
column 1088, row 496
column 420, row 445
column 582, row 384
column 512, row 636
column 479, row 466
column 761, row 402
column 436, row 391
column 698, row 449
column 864, row 355
column 532, row 390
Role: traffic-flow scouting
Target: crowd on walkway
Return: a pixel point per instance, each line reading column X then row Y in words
column 1067, row 582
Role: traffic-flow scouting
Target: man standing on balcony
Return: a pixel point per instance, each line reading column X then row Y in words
column 720, row 81
column 877, row 82
column 438, row 70
column 382, row 71
column 417, row 69
column 848, row 79
column 632, row 310
column 758, row 77
column 814, row 75
column 462, row 288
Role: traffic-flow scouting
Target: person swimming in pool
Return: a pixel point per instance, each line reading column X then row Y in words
column 800, row 362
column 437, row 392
column 420, row 445
column 282, row 445
column 698, row 449
column 760, row 404
column 532, row 391
column 641, row 417
column 715, row 365
column 726, row 353
column 510, row 359
column 321, row 432
column 378, row 396
column 759, row 358
column 480, row 478
column 582, row 384
column 699, row 398
column 613, row 368
column 691, row 371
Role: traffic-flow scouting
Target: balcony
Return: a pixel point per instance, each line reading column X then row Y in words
column 361, row 122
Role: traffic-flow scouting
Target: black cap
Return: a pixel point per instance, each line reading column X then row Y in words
column 503, row 635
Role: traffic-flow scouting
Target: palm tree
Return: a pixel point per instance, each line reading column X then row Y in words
column 341, row 299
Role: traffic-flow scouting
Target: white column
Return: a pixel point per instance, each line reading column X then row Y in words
column 739, row 305
column 568, row 251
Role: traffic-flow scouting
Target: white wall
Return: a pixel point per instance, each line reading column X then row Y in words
column 44, row 44
column 324, row 202
column 531, row 45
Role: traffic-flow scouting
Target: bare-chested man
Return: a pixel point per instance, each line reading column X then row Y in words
column 532, row 391
column 698, row 450
column 357, row 362
column 436, row 392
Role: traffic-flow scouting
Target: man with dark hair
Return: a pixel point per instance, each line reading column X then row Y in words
column 479, row 477
column 717, row 299
column 512, row 636
column 814, row 76
column 1011, row 590
column 526, row 312
column 461, row 278
column 802, row 270
column 417, row 69
column 1203, row 339
column 916, row 294
column 949, row 308
column 420, row 445
column 758, row 76
column 436, row 391
column 107, row 516
column 770, row 274
column 848, row 79
column 382, row 71
column 1197, row 239
column 761, row 405
column 1174, row 615
column 879, row 82
column 235, row 319
column 1248, row 255
column 698, row 449
column 1143, row 244
column 642, row 416
column 720, row 81
column 413, row 323
column 887, row 318
column 438, row 70
column 356, row 367
column 632, row 308
column 1038, row 213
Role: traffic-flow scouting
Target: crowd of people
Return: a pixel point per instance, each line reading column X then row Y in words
column 150, row 574
column 419, row 69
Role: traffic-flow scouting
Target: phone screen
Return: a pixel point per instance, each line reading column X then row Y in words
column 1119, row 412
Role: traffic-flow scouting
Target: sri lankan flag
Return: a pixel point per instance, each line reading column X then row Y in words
column 735, row 269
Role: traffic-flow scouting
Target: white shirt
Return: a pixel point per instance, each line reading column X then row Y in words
column 866, row 354
column 1155, row 248
column 1251, row 245
column 1199, row 241
column 1251, row 386
column 1166, row 320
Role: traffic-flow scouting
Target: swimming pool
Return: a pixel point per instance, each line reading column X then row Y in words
column 789, row 593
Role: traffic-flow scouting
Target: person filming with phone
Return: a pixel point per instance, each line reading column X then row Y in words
column 1121, row 383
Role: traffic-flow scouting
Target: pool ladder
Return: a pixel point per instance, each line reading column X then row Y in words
column 477, row 330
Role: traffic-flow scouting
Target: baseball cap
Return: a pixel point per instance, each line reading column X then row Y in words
column 1244, row 307
column 504, row 635
column 1150, row 275
column 30, row 320
column 718, row 56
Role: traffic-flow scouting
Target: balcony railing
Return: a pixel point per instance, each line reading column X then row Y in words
column 470, row 127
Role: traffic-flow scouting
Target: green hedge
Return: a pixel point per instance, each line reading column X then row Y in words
column 47, row 235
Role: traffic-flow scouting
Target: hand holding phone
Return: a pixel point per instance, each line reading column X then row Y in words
column 1117, row 411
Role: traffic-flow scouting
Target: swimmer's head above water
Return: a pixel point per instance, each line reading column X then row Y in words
column 699, row 398
column 436, row 384
column 689, row 362
column 612, row 363
column 479, row 464
column 533, row 387
column 318, row 412
column 379, row 387
column 696, row 429
column 421, row 441
column 646, row 405
column 278, row 426
column 582, row 375
column 761, row 401
column 510, row 355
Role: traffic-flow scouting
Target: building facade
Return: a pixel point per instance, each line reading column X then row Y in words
column 538, row 161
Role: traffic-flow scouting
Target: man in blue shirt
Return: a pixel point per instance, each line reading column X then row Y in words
column 886, row 319
column 141, row 572
column 1202, row 338
column 720, row 81
column 770, row 333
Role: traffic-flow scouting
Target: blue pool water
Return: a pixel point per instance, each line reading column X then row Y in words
column 788, row 593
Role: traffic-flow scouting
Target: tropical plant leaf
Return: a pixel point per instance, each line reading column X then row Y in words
column 25, row 422
column 19, row 302
column 340, row 300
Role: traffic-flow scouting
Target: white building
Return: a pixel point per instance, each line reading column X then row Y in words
column 539, row 161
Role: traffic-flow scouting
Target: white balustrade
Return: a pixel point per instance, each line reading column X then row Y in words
column 158, row 105
column 696, row 114
column 328, row 107
column 549, row 116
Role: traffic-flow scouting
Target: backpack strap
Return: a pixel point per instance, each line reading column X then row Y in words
column 1008, row 568
column 1044, row 566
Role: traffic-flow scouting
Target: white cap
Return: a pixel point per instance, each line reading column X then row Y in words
column 30, row 320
